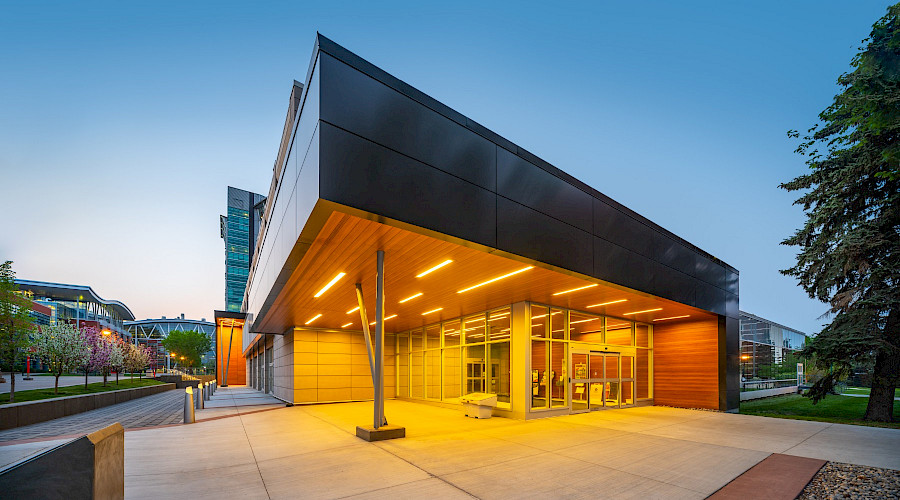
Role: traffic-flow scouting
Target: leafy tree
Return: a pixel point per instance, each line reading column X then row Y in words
column 62, row 348
column 189, row 343
column 136, row 358
column 850, row 243
column 117, row 356
column 15, row 324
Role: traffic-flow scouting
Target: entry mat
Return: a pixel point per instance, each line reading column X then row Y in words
column 775, row 478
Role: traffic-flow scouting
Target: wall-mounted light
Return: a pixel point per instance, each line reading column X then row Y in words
column 329, row 284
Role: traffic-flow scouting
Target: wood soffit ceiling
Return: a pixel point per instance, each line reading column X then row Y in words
column 348, row 244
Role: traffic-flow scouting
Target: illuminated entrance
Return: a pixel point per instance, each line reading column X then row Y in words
column 602, row 380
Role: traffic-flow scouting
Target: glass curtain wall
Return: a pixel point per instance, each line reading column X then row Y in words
column 457, row 357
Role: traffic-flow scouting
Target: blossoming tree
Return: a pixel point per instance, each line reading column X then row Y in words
column 62, row 348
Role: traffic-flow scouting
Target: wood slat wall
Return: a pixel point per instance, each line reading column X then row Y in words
column 237, row 368
column 686, row 364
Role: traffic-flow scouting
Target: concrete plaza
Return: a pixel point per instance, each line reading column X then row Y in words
column 312, row 452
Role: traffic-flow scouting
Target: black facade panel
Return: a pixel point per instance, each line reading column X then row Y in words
column 732, row 305
column 359, row 103
column 361, row 174
column 531, row 186
column 733, row 342
column 733, row 401
column 613, row 225
column 621, row 266
column 669, row 283
column 531, row 234
column 708, row 271
column 733, row 372
column 732, row 281
column 710, row 298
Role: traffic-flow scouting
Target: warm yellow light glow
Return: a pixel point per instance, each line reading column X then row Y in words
column 583, row 321
column 330, row 284
column 745, row 356
column 392, row 316
column 351, row 311
column 106, row 332
column 411, row 297
column 348, row 324
column 673, row 317
column 317, row 316
column 619, row 326
column 575, row 289
column 173, row 354
column 644, row 311
column 435, row 268
column 609, row 303
column 432, row 311
column 498, row 278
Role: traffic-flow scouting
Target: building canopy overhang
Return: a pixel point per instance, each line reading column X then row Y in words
column 74, row 293
column 474, row 279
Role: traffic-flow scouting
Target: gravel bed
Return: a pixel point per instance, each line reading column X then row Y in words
column 844, row 481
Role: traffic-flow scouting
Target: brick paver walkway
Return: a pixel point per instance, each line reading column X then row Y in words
column 158, row 409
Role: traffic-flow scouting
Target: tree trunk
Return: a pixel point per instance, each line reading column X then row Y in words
column 85, row 378
column 117, row 376
column 56, row 385
column 886, row 374
column 104, row 378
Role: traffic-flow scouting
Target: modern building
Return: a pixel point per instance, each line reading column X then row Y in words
column 502, row 273
column 77, row 304
column 239, row 229
column 769, row 361
column 151, row 332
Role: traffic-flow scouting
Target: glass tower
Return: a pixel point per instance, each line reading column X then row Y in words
column 239, row 228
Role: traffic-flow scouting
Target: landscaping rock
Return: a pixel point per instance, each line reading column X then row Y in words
column 845, row 481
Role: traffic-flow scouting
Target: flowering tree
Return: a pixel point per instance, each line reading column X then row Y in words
column 91, row 337
column 136, row 358
column 62, row 348
column 100, row 357
column 117, row 357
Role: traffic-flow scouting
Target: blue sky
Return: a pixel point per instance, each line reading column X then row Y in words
column 122, row 123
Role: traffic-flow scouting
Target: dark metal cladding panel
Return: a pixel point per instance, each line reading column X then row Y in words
column 708, row 271
column 533, row 187
column 675, row 255
column 531, row 234
column 364, row 175
column 733, row 400
column 733, row 342
column 613, row 225
column 732, row 305
column 359, row 103
column 732, row 282
column 672, row 284
column 621, row 266
column 733, row 372
column 710, row 297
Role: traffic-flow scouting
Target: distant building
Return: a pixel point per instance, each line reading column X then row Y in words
column 151, row 332
column 76, row 304
column 768, row 355
column 239, row 228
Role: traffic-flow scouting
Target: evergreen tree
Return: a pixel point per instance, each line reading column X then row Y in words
column 850, row 243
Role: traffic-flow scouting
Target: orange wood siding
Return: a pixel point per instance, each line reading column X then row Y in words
column 237, row 368
column 686, row 364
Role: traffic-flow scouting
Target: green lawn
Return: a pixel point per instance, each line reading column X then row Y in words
column 74, row 390
column 835, row 409
column 866, row 390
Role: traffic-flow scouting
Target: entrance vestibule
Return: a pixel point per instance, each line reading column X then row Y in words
column 601, row 379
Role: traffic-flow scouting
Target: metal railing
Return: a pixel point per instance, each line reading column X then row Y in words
column 756, row 385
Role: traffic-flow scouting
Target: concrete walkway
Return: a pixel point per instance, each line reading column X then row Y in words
column 45, row 382
column 312, row 452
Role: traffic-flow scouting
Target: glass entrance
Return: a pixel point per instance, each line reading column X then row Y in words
column 601, row 380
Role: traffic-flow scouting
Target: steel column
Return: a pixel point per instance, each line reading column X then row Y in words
column 379, row 343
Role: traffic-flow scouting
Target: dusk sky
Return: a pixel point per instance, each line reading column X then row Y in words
column 122, row 123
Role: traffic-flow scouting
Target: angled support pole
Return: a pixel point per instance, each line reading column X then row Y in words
column 365, row 326
column 379, row 343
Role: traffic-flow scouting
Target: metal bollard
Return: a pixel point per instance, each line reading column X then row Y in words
column 188, row 405
column 206, row 391
column 198, row 400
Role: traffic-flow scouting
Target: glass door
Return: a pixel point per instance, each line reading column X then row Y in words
column 579, row 364
column 612, row 383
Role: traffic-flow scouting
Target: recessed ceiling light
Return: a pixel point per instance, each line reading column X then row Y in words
column 608, row 303
column 432, row 311
column 673, row 317
column 411, row 297
column 317, row 316
column 644, row 311
column 496, row 279
column 576, row 289
column 435, row 268
column 348, row 324
column 351, row 311
column 329, row 284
